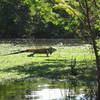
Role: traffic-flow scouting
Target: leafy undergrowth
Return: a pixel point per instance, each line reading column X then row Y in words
column 66, row 62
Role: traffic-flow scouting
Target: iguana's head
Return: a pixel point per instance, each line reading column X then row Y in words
column 51, row 50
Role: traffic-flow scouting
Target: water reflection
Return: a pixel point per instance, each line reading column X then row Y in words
column 53, row 94
column 47, row 90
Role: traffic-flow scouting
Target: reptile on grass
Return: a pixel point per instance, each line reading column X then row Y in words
column 41, row 50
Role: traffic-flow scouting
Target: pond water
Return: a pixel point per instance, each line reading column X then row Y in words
column 43, row 89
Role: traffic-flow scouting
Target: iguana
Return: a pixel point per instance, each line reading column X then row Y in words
column 46, row 51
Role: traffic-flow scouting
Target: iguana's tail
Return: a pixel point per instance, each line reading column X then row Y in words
column 14, row 53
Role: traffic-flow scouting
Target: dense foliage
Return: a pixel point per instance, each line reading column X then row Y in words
column 46, row 18
column 15, row 19
column 35, row 18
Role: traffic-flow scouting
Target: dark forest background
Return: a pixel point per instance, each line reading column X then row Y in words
column 18, row 21
column 41, row 19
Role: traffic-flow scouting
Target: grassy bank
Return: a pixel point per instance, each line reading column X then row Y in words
column 66, row 62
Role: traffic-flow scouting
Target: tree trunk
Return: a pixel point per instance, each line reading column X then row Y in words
column 98, row 90
column 98, row 69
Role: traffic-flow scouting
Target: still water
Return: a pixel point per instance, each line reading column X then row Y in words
column 43, row 89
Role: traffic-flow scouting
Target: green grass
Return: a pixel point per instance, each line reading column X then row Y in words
column 58, row 65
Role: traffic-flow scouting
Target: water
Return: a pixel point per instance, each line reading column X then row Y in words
column 47, row 90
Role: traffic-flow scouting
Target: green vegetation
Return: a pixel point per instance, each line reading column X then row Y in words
column 46, row 18
column 26, row 18
column 66, row 62
column 51, row 19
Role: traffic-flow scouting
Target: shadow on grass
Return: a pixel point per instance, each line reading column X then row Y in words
column 56, row 69
column 40, row 70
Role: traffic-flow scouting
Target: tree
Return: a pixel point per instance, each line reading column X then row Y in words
column 47, row 12
column 49, row 30
column 89, row 19
column 90, row 25
column 15, row 19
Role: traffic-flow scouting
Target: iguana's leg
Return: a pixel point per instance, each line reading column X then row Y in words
column 47, row 53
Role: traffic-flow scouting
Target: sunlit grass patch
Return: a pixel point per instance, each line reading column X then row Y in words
column 57, row 65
